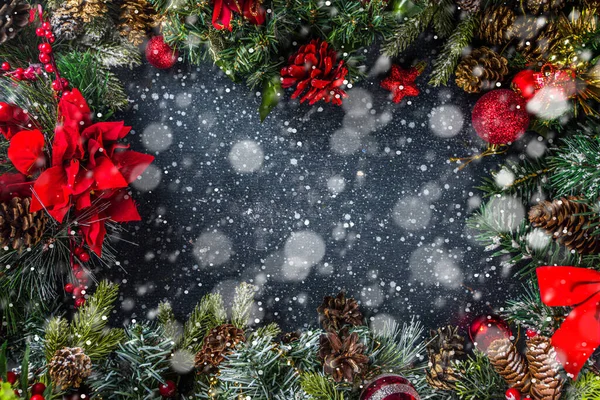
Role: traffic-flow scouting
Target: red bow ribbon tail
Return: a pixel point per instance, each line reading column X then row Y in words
column 221, row 18
column 579, row 335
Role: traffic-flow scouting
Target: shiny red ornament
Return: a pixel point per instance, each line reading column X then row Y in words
column 389, row 387
column 38, row 388
column 37, row 397
column 487, row 328
column 159, row 54
column 524, row 83
column 316, row 73
column 401, row 82
column 167, row 389
column 11, row 377
column 512, row 394
column 500, row 117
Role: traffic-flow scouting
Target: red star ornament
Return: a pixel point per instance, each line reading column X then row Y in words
column 401, row 82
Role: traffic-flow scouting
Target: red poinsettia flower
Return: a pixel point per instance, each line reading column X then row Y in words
column 314, row 71
column 14, row 185
column 88, row 166
column 12, row 120
column 224, row 9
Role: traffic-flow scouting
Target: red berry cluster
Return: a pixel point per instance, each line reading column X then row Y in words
column 37, row 389
column 21, row 74
column 79, row 290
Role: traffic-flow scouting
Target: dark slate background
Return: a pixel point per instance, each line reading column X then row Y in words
column 314, row 200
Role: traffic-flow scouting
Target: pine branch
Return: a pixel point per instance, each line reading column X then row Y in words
column 408, row 32
column 446, row 61
column 443, row 19
column 303, row 353
column 479, row 380
column 167, row 321
column 524, row 179
column 57, row 336
column 586, row 387
column 242, row 305
column 319, row 387
column 208, row 314
column 397, row 348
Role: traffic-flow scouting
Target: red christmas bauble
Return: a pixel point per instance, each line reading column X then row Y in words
column 37, row 397
column 512, row 394
column 389, row 387
column 167, row 389
column 524, row 83
column 38, row 388
column 500, row 116
column 487, row 328
column 159, row 54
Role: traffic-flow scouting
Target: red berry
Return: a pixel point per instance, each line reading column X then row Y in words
column 69, row 288
column 79, row 302
column 46, row 26
column 40, row 32
column 49, row 68
column 80, row 274
column 38, row 388
column 19, row 71
column 167, row 389
column 11, row 377
column 84, row 256
column 36, row 397
column 5, row 66
column 7, row 112
column 48, row 34
column 78, row 291
column 51, row 39
column 76, row 267
column 44, row 58
column 57, row 85
column 45, row 48
column 530, row 333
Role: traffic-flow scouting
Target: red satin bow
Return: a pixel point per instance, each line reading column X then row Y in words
column 224, row 9
column 579, row 334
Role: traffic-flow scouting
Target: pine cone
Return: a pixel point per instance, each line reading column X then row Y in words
column 535, row 37
column 69, row 367
column 481, row 70
column 137, row 18
column 20, row 229
column 343, row 356
column 446, row 345
column 14, row 16
column 471, row 6
column 563, row 220
column 91, row 9
column 315, row 71
column 220, row 342
column 66, row 21
column 510, row 364
column 546, row 382
column 335, row 312
column 537, row 7
column 495, row 23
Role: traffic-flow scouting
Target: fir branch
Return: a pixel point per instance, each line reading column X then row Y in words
column 524, row 179
column 271, row 330
column 575, row 167
column 167, row 321
column 443, row 19
column 586, row 387
column 397, row 348
column 408, row 32
column 208, row 314
column 319, row 387
column 446, row 61
column 529, row 311
column 303, row 353
column 479, row 380
column 57, row 336
column 242, row 305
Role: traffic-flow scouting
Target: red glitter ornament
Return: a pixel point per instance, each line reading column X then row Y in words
column 401, row 82
column 389, row 387
column 512, row 394
column 500, row 117
column 487, row 328
column 159, row 54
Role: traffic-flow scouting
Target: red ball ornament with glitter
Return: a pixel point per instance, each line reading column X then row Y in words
column 159, row 54
column 500, row 117
column 512, row 394
column 389, row 387
column 487, row 328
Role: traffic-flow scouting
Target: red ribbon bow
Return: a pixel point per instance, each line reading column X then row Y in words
column 579, row 334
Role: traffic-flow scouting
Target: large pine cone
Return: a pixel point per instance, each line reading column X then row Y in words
column 495, row 23
column 535, row 37
column 137, row 18
column 14, row 16
column 316, row 73
column 537, row 7
column 446, row 345
column 510, row 364
column 66, row 21
column 342, row 357
column 69, row 367
column 335, row 312
column 471, row 6
column 481, row 70
column 220, row 342
column 566, row 221
column 546, row 382
column 20, row 229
